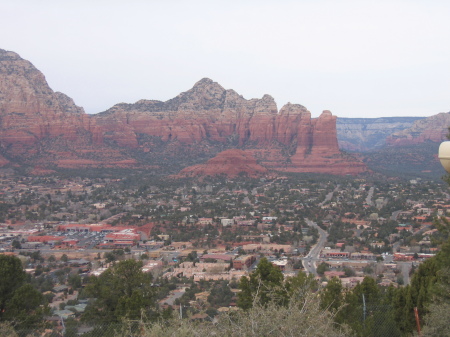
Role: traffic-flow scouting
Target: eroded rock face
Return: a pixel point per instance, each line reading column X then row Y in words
column 205, row 112
column 30, row 110
column 45, row 128
column 39, row 126
column 230, row 163
column 286, row 140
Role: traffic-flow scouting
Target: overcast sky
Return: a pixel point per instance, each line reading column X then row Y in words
column 355, row 58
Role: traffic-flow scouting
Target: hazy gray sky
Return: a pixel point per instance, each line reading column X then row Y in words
column 355, row 58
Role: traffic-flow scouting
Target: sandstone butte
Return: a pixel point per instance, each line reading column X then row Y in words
column 46, row 129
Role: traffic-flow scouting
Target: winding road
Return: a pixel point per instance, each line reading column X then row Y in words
column 310, row 260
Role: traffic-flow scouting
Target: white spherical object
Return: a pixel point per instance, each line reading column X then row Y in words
column 444, row 155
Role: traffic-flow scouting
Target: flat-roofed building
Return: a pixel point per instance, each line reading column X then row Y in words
column 217, row 257
column 243, row 262
column 332, row 253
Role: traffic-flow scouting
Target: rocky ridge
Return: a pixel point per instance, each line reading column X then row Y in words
column 45, row 128
column 40, row 126
column 285, row 140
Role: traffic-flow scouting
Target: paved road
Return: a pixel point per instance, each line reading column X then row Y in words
column 369, row 196
column 329, row 196
column 405, row 267
column 396, row 246
column 172, row 297
column 395, row 215
column 310, row 260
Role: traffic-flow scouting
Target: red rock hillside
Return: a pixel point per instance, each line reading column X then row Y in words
column 230, row 163
column 40, row 126
column 46, row 129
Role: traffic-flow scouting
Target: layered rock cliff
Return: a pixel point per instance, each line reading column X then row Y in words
column 46, row 128
column 287, row 140
column 205, row 112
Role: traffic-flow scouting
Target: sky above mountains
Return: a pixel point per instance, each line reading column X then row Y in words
column 355, row 58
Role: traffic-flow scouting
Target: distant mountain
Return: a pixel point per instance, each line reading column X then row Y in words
column 397, row 146
column 431, row 129
column 39, row 127
column 408, row 151
column 368, row 134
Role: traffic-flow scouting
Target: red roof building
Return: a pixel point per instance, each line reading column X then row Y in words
column 45, row 238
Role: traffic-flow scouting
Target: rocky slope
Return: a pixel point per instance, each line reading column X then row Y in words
column 45, row 128
column 230, row 163
column 40, row 126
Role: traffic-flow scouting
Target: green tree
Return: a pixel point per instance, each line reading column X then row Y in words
column 322, row 268
column 19, row 301
column 264, row 284
column 75, row 281
column 220, row 295
column 331, row 297
column 301, row 282
column 12, row 276
column 123, row 291
column 109, row 257
column 25, row 307
column 16, row 244
column 192, row 256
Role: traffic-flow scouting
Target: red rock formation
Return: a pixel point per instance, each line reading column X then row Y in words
column 289, row 140
column 39, row 126
column 30, row 110
column 44, row 128
column 205, row 112
column 230, row 163
column 293, row 124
